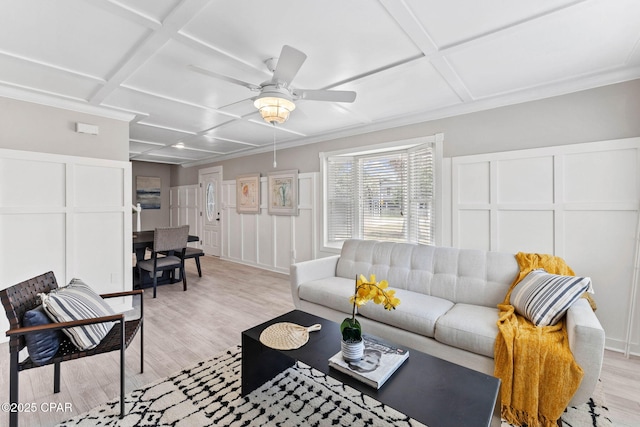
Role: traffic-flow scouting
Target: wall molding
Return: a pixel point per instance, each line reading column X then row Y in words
column 577, row 201
column 58, row 213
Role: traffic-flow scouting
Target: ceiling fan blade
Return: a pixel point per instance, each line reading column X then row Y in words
column 289, row 63
column 223, row 77
column 326, row 95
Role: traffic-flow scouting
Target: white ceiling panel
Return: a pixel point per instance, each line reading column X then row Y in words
column 588, row 38
column 137, row 147
column 153, row 9
column 208, row 143
column 183, row 153
column 406, row 60
column 249, row 132
column 142, row 132
column 334, row 116
column 70, row 34
column 26, row 74
column 342, row 39
column 454, row 21
column 167, row 113
column 167, row 73
column 242, row 108
column 383, row 95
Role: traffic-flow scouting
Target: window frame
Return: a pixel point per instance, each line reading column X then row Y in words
column 392, row 146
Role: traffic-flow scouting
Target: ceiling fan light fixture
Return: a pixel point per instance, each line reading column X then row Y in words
column 274, row 109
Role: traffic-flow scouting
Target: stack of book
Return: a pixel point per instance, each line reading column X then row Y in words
column 379, row 362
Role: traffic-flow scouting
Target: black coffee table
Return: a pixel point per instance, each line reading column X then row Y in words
column 430, row 390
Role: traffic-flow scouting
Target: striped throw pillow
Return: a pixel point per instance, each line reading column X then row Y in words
column 544, row 298
column 78, row 301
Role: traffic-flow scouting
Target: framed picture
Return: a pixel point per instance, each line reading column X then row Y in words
column 283, row 193
column 248, row 193
column 148, row 192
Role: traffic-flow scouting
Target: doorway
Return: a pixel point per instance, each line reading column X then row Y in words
column 211, row 233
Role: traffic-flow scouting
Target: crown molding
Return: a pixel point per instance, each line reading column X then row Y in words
column 72, row 104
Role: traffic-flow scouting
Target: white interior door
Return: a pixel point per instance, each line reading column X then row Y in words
column 210, row 236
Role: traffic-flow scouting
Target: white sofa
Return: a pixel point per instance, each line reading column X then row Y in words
column 448, row 297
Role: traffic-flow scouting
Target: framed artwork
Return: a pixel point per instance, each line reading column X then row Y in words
column 283, row 193
column 148, row 192
column 248, row 193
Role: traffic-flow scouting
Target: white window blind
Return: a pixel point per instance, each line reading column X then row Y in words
column 340, row 203
column 383, row 196
column 382, row 185
column 422, row 195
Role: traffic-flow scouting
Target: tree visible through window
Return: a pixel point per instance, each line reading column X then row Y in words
column 381, row 196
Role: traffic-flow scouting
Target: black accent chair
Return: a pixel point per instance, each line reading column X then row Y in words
column 20, row 298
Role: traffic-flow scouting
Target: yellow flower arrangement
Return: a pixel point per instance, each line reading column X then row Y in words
column 371, row 290
column 365, row 291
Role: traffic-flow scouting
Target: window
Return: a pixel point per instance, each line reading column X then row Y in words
column 385, row 193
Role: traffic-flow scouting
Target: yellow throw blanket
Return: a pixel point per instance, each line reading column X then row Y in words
column 538, row 372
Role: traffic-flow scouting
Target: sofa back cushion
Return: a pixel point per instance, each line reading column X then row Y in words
column 459, row 275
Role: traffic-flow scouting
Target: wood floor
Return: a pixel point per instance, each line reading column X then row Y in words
column 183, row 328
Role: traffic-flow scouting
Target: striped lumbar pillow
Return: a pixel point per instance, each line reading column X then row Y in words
column 78, row 301
column 544, row 298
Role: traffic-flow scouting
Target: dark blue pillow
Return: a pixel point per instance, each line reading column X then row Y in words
column 42, row 345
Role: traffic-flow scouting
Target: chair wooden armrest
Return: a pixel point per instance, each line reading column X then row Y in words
column 123, row 294
column 63, row 325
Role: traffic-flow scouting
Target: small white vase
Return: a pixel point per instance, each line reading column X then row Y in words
column 352, row 351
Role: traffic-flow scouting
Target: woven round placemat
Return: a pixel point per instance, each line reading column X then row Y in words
column 287, row 336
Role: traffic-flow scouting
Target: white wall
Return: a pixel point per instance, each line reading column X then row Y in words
column 39, row 128
column 152, row 218
column 600, row 114
column 272, row 242
column 579, row 202
column 69, row 215
column 65, row 197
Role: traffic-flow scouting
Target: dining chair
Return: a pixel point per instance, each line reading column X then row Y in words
column 194, row 253
column 173, row 242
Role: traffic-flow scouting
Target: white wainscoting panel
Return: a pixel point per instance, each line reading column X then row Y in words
column 578, row 201
column 184, row 209
column 89, row 230
column 272, row 242
column 32, row 243
column 70, row 215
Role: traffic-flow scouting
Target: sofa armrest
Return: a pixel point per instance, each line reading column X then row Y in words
column 586, row 340
column 314, row 269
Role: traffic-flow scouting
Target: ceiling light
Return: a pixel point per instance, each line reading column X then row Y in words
column 179, row 145
column 274, row 105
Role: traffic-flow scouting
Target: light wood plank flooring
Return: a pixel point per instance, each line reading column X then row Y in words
column 183, row 328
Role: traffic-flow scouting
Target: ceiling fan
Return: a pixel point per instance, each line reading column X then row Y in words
column 276, row 98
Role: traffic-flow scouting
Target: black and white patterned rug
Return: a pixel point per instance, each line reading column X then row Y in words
column 208, row 394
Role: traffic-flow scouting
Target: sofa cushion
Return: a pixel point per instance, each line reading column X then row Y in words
column 77, row 301
column 469, row 327
column 332, row 292
column 416, row 313
column 43, row 345
column 459, row 275
column 544, row 298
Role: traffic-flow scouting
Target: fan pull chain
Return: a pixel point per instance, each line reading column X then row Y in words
column 275, row 164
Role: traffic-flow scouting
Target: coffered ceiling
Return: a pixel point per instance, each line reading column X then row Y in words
column 409, row 61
